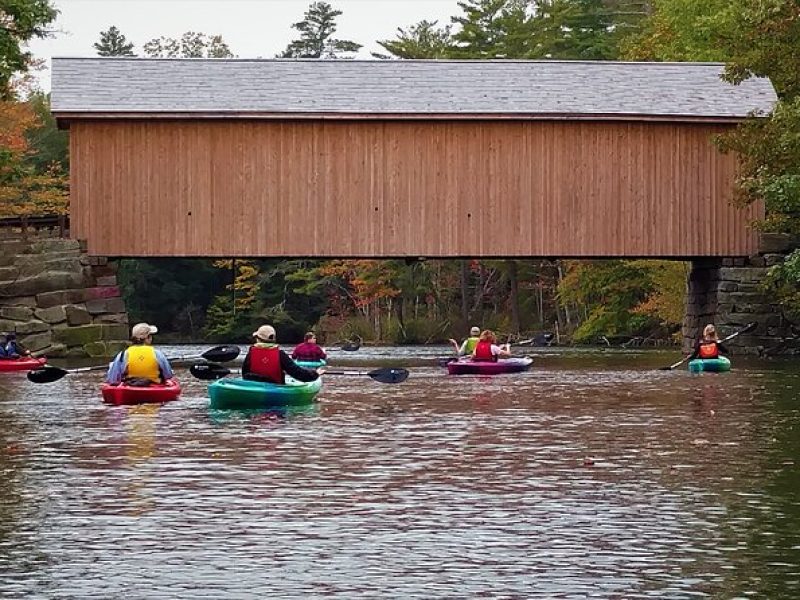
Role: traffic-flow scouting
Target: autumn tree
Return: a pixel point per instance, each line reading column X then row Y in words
column 316, row 35
column 113, row 43
column 24, row 189
column 20, row 22
column 753, row 39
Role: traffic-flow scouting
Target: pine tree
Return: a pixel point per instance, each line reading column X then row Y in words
column 423, row 40
column 492, row 29
column 113, row 43
column 316, row 29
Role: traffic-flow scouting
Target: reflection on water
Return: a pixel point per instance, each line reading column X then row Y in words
column 593, row 475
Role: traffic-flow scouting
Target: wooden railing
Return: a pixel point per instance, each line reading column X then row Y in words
column 59, row 223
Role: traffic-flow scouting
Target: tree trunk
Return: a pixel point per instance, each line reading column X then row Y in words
column 513, row 278
column 566, row 307
column 464, row 291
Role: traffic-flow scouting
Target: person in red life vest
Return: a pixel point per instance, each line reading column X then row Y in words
column 487, row 349
column 309, row 351
column 265, row 361
column 708, row 346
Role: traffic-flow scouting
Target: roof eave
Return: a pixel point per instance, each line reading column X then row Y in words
column 65, row 117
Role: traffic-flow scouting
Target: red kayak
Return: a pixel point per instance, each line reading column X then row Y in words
column 128, row 394
column 8, row 365
column 467, row 366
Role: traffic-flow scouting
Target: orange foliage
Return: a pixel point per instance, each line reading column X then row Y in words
column 23, row 190
column 370, row 280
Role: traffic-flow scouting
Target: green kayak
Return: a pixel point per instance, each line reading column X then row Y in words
column 243, row 394
column 714, row 365
column 311, row 364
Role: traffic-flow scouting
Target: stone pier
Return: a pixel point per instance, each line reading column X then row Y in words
column 58, row 300
column 729, row 292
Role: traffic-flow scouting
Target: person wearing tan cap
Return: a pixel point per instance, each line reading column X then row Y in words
column 468, row 347
column 141, row 362
column 265, row 361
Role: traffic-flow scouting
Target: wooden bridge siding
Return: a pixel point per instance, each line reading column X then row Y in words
column 404, row 188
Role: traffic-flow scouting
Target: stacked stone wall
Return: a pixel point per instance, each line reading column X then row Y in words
column 730, row 293
column 59, row 301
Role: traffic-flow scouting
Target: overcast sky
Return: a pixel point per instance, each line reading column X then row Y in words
column 252, row 28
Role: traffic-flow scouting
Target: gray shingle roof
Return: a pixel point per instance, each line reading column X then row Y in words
column 544, row 89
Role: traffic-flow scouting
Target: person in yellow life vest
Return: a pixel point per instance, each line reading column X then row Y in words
column 468, row 346
column 708, row 346
column 141, row 362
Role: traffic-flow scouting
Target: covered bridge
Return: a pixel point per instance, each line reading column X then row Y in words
column 403, row 158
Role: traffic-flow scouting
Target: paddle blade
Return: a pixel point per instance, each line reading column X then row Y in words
column 221, row 353
column 47, row 374
column 209, row 372
column 388, row 375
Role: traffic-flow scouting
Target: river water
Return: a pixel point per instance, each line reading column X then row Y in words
column 594, row 475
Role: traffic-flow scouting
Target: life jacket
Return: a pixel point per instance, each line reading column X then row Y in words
column 142, row 363
column 471, row 343
column 708, row 350
column 266, row 362
column 483, row 352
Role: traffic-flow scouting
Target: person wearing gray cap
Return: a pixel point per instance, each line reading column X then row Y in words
column 141, row 364
column 468, row 347
column 265, row 361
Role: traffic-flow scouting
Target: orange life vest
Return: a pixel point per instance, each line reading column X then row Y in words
column 708, row 350
column 483, row 352
column 266, row 362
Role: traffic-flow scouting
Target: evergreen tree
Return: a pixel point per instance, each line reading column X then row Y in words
column 423, row 40
column 492, row 29
column 20, row 22
column 113, row 43
column 316, row 29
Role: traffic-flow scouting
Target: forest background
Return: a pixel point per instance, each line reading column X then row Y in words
column 410, row 302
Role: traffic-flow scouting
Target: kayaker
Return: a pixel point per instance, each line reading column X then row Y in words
column 309, row 351
column 708, row 346
column 13, row 348
column 141, row 363
column 468, row 346
column 265, row 361
column 487, row 349
column 3, row 342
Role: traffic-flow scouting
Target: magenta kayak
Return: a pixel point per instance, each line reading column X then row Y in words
column 128, row 394
column 8, row 365
column 474, row 367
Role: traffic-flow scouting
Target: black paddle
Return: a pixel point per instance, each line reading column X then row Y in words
column 210, row 372
column 49, row 373
column 747, row 328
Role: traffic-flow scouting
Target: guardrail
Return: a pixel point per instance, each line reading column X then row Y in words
column 37, row 222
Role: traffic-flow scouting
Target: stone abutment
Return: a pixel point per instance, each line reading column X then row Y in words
column 730, row 293
column 58, row 300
